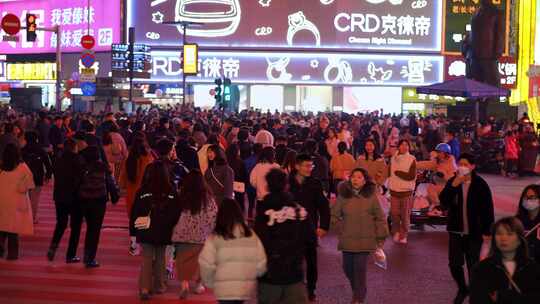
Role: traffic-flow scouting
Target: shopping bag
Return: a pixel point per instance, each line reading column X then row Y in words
column 380, row 258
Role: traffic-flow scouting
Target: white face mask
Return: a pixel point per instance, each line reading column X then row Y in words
column 464, row 171
column 531, row 204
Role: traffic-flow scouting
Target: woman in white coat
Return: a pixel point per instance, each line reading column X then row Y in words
column 232, row 257
column 16, row 216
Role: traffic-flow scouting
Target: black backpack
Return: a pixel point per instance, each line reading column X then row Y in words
column 93, row 182
column 35, row 162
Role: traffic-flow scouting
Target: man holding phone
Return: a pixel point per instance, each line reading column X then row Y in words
column 469, row 202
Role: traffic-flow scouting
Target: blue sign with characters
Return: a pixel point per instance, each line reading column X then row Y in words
column 88, row 88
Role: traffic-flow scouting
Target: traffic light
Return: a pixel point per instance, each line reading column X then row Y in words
column 226, row 91
column 218, row 92
column 31, row 27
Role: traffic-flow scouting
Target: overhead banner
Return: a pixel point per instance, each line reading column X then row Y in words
column 72, row 16
column 399, row 25
column 301, row 68
column 457, row 20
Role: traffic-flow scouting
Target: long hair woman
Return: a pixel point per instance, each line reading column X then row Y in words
column 139, row 157
column 257, row 178
column 219, row 176
column 156, row 200
column 240, row 174
column 508, row 275
column 373, row 163
column 235, row 251
column 16, row 216
column 196, row 223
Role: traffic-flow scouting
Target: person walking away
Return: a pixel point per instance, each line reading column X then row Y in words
column 257, row 178
column 468, row 199
column 511, row 154
column 186, row 152
column 341, row 165
column 373, row 163
column 40, row 165
column 321, row 164
column 307, row 191
column 529, row 214
column 16, row 216
column 196, row 223
column 528, row 141
column 283, row 228
column 250, row 161
column 508, row 276
column 219, row 176
column 8, row 137
column 67, row 178
column 157, row 201
column 232, row 258
column 166, row 153
column 115, row 149
column 240, row 174
column 401, row 183
column 97, row 184
column 364, row 228
column 139, row 157
column 289, row 162
column 57, row 136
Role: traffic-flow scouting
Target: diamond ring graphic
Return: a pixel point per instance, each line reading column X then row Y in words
column 298, row 22
column 344, row 71
column 220, row 17
column 279, row 66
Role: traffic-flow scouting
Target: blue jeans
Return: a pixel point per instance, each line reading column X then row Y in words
column 355, row 268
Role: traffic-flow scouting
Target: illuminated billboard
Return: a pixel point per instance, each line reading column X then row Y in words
column 301, row 68
column 398, row 25
column 457, row 19
column 72, row 16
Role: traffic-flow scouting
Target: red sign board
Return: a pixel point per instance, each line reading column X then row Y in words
column 455, row 66
column 88, row 41
column 11, row 24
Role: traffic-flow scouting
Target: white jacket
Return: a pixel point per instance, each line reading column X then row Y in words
column 401, row 162
column 231, row 267
column 257, row 178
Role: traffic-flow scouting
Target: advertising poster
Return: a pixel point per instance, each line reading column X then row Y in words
column 399, row 25
column 73, row 18
column 458, row 14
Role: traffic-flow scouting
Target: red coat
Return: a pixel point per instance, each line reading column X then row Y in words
column 511, row 150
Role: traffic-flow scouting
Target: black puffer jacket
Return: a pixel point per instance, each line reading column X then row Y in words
column 310, row 195
column 489, row 276
column 67, row 177
column 284, row 240
column 164, row 215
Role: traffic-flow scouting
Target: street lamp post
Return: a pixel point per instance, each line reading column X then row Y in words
column 185, row 25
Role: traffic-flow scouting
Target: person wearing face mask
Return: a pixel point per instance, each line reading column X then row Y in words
column 364, row 228
column 467, row 197
column 529, row 215
column 508, row 276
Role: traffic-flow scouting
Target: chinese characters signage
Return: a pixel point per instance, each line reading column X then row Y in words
column 31, row 71
column 458, row 18
column 298, row 68
column 455, row 66
column 355, row 24
column 410, row 96
column 73, row 17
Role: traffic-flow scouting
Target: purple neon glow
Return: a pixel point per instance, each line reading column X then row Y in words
column 71, row 16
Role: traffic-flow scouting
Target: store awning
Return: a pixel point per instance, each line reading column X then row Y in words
column 464, row 87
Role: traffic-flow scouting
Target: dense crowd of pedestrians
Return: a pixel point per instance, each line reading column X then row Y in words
column 238, row 203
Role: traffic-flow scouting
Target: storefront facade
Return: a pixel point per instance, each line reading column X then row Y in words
column 299, row 55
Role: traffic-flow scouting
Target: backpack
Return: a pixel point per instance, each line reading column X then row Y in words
column 93, row 183
column 35, row 162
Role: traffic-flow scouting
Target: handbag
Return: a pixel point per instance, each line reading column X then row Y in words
column 143, row 222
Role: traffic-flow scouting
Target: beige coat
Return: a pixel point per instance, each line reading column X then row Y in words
column 341, row 165
column 15, row 207
column 376, row 169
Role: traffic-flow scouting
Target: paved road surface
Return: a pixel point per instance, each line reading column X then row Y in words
column 417, row 272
